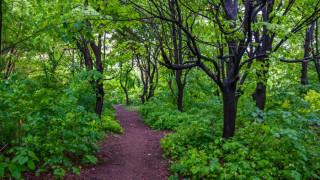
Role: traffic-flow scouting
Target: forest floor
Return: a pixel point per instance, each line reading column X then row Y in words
column 134, row 155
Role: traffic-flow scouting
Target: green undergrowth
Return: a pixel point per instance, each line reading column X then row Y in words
column 284, row 144
column 59, row 129
column 131, row 108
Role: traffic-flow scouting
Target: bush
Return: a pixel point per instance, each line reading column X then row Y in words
column 282, row 145
column 59, row 132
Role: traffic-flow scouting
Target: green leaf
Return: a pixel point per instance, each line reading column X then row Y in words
column 22, row 159
column 33, row 156
column 76, row 170
column 92, row 159
column 2, row 168
column 15, row 171
column 31, row 164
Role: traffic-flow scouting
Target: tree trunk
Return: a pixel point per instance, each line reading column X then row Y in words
column 304, row 73
column 307, row 49
column 260, row 95
column 99, row 82
column 229, row 112
column 142, row 99
column 317, row 64
column 99, row 97
column 266, row 46
column 180, row 90
column 151, row 92
column 180, row 98
column 127, row 97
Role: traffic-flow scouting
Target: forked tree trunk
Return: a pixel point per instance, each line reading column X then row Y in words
column 99, row 82
column 229, row 112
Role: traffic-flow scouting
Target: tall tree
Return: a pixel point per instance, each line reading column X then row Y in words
column 307, row 51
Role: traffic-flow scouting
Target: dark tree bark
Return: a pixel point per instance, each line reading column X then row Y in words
column 148, row 73
column 317, row 61
column 124, row 85
column 180, row 86
column 83, row 46
column 99, row 82
column 177, row 53
column 229, row 112
column 267, row 40
column 260, row 92
column 307, row 50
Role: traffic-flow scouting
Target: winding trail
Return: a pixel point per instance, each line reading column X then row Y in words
column 134, row 155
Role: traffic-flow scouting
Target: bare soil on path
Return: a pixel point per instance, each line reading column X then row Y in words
column 134, row 155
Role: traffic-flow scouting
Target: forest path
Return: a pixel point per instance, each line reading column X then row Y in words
column 134, row 155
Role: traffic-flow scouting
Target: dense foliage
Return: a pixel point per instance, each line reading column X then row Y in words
column 237, row 83
column 59, row 130
column 284, row 144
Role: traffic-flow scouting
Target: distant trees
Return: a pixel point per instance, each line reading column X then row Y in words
column 311, row 52
column 124, row 77
column 149, row 72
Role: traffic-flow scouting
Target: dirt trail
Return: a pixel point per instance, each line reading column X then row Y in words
column 135, row 155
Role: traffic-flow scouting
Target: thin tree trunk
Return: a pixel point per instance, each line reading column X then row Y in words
column 180, row 90
column 307, row 49
column 317, row 63
column 127, row 97
column 180, row 98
